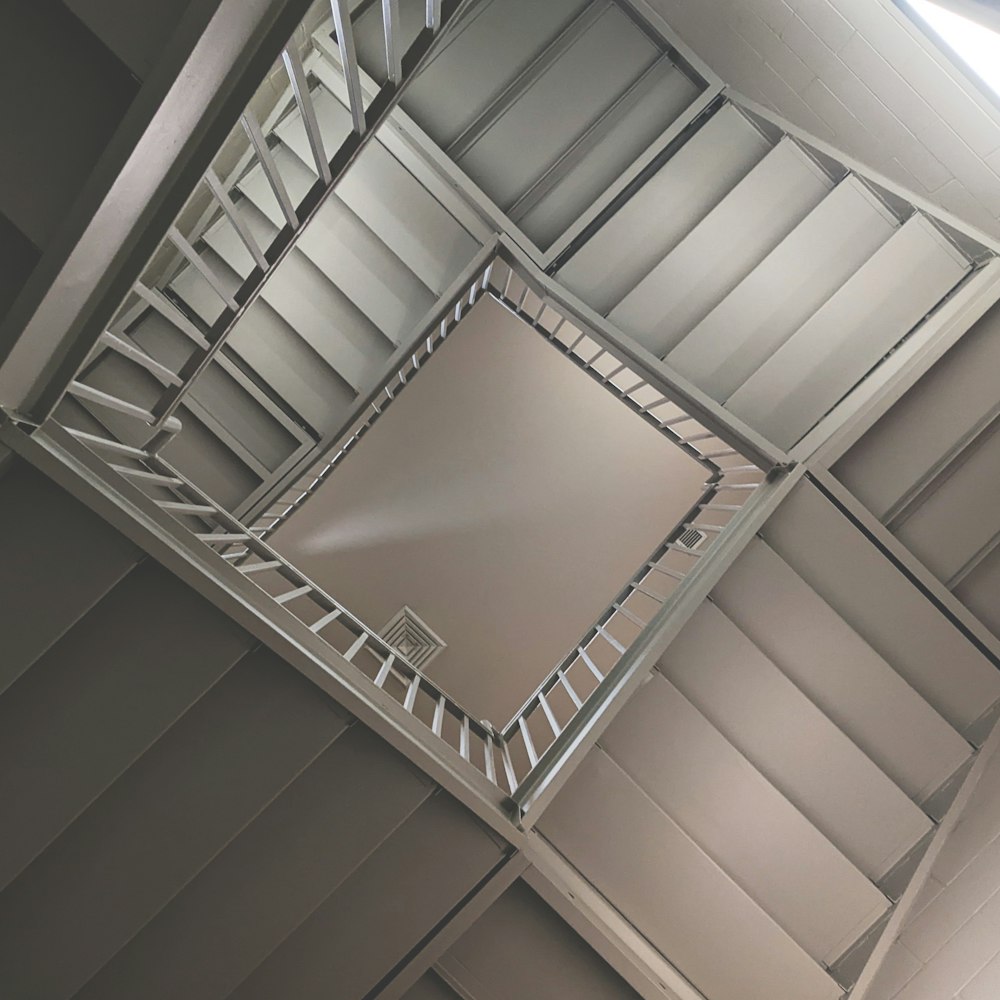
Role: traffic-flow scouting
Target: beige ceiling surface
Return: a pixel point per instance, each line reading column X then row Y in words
column 505, row 497
column 862, row 76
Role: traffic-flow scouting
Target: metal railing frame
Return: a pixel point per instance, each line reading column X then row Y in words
column 365, row 122
column 501, row 273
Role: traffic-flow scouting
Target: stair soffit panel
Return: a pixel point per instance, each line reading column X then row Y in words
column 674, row 893
column 531, row 67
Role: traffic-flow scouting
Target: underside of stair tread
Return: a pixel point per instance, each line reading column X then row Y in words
column 87, row 683
column 344, row 251
column 667, row 207
column 764, row 310
column 742, row 821
column 792, row 743
column 523, row 951
column 219, row 392
column 622, row 138
column 558, row 106
column 674, row 893
column 372, row 931
column 270, row 878
column 726, row 245
column 960, row 516
column 893, row 616
column 824, row 655
column 297, row 372
column 920, row 430
column 514, row 32
column 394, row 205
column 860, row 323
column 250, row 734
column 42, row 532
column 544, row 107
column 231, row 437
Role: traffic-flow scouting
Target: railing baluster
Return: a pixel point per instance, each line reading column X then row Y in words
column 383, row 674
column 349, row 61
column 91, row 395
column 508, row 767
column 610, row 639
column 236, row 220
column 633, row 618
column 182, row 507
column 153, row 478
column 300, row 88
column 590, row 663
column 491, row 766
column 321, row 623
column 569, row 689
column 666, row 571
column 529, row 745
column 199, row 264
column 290, row 595
column 411, row 693
column 139, row 357
column 252, row 128
column 393, row 48
column 438, row 721
column 463, row 739
column 433, row 20
column 549, row 715
column 94, row 441
column 262, row 567
column 218, row 538
column 356, row 647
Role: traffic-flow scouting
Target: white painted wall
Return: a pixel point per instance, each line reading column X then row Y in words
column 860, row 75
column 949, row 946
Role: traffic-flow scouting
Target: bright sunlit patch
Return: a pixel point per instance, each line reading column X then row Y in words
column 976, row 44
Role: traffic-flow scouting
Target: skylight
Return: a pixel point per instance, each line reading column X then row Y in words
column 975, row 44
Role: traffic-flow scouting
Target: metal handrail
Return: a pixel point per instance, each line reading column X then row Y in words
column 330, row 170
column 305, row 486
column 618, row 614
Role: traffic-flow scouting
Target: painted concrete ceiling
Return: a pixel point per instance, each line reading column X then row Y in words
column 505, row 497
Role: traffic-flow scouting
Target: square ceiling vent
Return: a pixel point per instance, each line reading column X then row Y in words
column 407, row 632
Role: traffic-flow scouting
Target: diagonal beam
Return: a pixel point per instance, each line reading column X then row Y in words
column 578, row 903
column 433, row 947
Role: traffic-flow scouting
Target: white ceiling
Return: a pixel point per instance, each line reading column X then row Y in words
column 506, row 497
column 861, row 76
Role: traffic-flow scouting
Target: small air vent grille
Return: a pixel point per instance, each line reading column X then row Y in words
column 691, row 538
column 413, row 637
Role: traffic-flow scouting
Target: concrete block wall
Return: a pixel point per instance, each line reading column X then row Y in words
column 949, row 947
column 862, row 76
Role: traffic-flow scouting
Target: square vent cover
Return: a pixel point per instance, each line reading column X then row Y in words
column 691, row 538
column 413, row 637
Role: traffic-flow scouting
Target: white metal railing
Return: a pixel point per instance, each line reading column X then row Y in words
column 331, row 156
column 386, row 667
column 522, row 755
column 580, row 674
column 297, row 493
